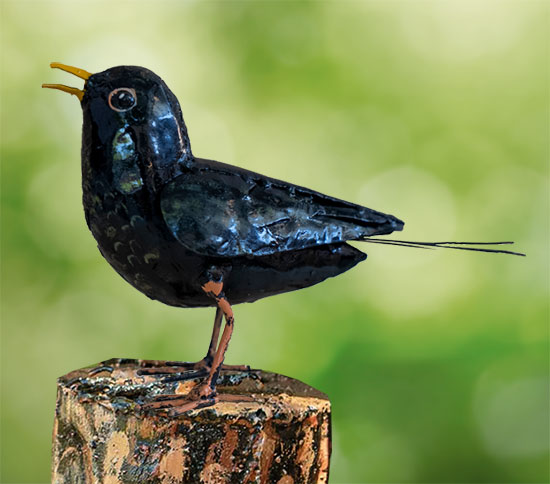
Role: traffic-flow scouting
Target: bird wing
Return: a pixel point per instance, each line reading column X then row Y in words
column 221, row 210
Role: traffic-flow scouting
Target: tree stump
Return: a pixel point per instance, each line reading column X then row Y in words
column 102, row 435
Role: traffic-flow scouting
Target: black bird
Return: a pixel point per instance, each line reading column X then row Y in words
column 191, row 232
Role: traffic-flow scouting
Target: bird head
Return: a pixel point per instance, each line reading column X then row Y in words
column 129, row 110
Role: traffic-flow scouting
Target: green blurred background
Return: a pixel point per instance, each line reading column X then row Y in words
column 436, row 361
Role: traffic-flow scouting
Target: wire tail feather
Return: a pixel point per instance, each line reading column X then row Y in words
column 444, row 245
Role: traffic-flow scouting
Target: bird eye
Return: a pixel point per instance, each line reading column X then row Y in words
column 122, row 99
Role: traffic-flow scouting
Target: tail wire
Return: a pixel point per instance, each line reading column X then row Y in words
column 444, row 245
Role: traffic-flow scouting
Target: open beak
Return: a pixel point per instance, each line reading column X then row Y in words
column 79, row 93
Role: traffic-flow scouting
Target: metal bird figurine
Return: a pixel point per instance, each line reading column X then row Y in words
column 191, row 232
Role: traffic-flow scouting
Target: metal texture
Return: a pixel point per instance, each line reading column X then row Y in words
column 162, row 217
column 192, row 232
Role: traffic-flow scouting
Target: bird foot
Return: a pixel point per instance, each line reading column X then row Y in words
column 200, row 397
column 155, row 367
column 236, row 368
column 186, row 370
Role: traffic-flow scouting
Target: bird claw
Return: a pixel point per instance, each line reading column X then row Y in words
column 175, row 367
column 185, row 369
column 200, row 397
column 236, row 368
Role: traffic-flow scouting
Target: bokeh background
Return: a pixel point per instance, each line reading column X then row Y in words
column 436, row 111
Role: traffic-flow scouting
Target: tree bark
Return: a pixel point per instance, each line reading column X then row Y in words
column 278, row 432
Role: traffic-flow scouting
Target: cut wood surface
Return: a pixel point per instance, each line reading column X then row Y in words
column 279, row 433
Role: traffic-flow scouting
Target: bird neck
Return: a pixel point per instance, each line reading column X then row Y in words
column 129, row 158
column 163, row 145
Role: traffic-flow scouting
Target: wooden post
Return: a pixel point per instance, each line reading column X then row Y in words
column 103, row 436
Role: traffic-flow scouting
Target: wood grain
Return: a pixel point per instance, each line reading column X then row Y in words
column 279, row 433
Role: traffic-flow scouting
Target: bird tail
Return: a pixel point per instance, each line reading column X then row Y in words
column 444, row 245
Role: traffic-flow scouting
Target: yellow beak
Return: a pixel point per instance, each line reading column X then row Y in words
column 79, row 93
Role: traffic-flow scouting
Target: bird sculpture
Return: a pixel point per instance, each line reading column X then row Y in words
column 192, row 232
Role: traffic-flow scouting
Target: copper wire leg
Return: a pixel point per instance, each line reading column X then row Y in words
column 204, row 394
column 215, row 290
column 176, row 370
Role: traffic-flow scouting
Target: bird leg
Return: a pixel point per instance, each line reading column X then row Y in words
column 209, row 358
column 206, row 362
column 186, row 370
column 207, row 388
column 204, row 394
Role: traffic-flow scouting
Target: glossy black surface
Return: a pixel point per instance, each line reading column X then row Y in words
column 162, row 218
